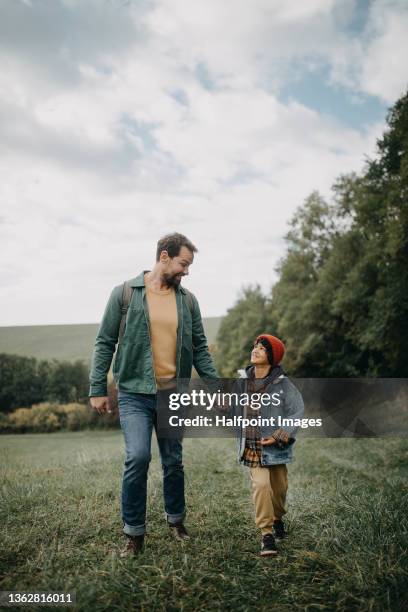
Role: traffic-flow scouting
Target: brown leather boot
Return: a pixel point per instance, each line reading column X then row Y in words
column 178, row 531
column 133, row 546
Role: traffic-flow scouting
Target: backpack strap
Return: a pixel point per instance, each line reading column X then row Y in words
column 127, row 292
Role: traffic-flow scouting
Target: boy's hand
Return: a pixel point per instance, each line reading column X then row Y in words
column 268, row 441
column 280, row 435
column 101, row 404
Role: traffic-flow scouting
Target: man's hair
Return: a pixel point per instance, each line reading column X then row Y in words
column 172, row 243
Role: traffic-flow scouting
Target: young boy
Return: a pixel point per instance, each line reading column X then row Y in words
column 267, row 449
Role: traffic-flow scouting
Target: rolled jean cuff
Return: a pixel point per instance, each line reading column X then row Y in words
column 173, row 519
column 134, row 530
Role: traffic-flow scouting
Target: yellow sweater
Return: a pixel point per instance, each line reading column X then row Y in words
column 163, row 330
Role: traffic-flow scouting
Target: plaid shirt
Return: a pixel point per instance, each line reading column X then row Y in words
column 253, row 449
column 252, row 452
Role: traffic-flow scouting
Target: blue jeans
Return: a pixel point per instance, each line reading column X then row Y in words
column 138, row 417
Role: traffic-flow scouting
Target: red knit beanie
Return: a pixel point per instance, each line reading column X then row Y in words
column 278, row 348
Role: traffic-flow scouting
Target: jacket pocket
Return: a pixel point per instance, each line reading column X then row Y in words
column 136, row 324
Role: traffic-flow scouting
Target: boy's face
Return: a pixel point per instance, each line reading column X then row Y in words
column 259, row 355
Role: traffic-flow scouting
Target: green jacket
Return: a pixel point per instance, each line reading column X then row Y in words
column 133, row 366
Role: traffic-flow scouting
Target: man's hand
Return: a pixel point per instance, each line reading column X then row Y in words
column 101, row 404
column 280, row 435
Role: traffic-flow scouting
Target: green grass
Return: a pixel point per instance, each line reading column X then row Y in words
column 65, row 342
column 347, row 547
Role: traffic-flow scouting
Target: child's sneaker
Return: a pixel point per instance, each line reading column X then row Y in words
column 268, row 546
column 279, row 529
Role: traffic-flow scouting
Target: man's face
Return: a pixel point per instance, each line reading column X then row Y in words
column 175, row 268
column 259, row 356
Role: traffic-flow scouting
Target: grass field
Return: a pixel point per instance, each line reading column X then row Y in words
column 348, row 523
column 66, row 342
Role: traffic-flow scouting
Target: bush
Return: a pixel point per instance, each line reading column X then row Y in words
column 40, row 417
column 77, row 416
column 49, row 416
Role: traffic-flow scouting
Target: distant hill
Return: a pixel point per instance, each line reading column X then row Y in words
column 65, row 342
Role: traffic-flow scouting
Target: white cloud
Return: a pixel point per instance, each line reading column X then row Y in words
column 166, row 117
column 384, row 67
column 374, row 63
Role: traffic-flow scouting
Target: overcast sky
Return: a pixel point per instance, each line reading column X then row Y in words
column 124, row 120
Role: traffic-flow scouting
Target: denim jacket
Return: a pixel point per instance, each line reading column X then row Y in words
column 291, row 406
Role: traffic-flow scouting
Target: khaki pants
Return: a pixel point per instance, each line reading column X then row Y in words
column 269, row 488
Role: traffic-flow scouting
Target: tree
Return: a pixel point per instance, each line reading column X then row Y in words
column 309, row 243
column 341, row 301
column 238, row 329
column 68, row 382
column 24, row 381
column 20, row 384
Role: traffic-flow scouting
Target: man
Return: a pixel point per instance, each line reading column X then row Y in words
column 267, row 449
column 163, row 338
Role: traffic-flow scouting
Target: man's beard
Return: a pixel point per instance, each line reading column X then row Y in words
column 172, row 280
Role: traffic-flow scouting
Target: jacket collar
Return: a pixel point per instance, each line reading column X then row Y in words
column 275, row 374
column 138, row 281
